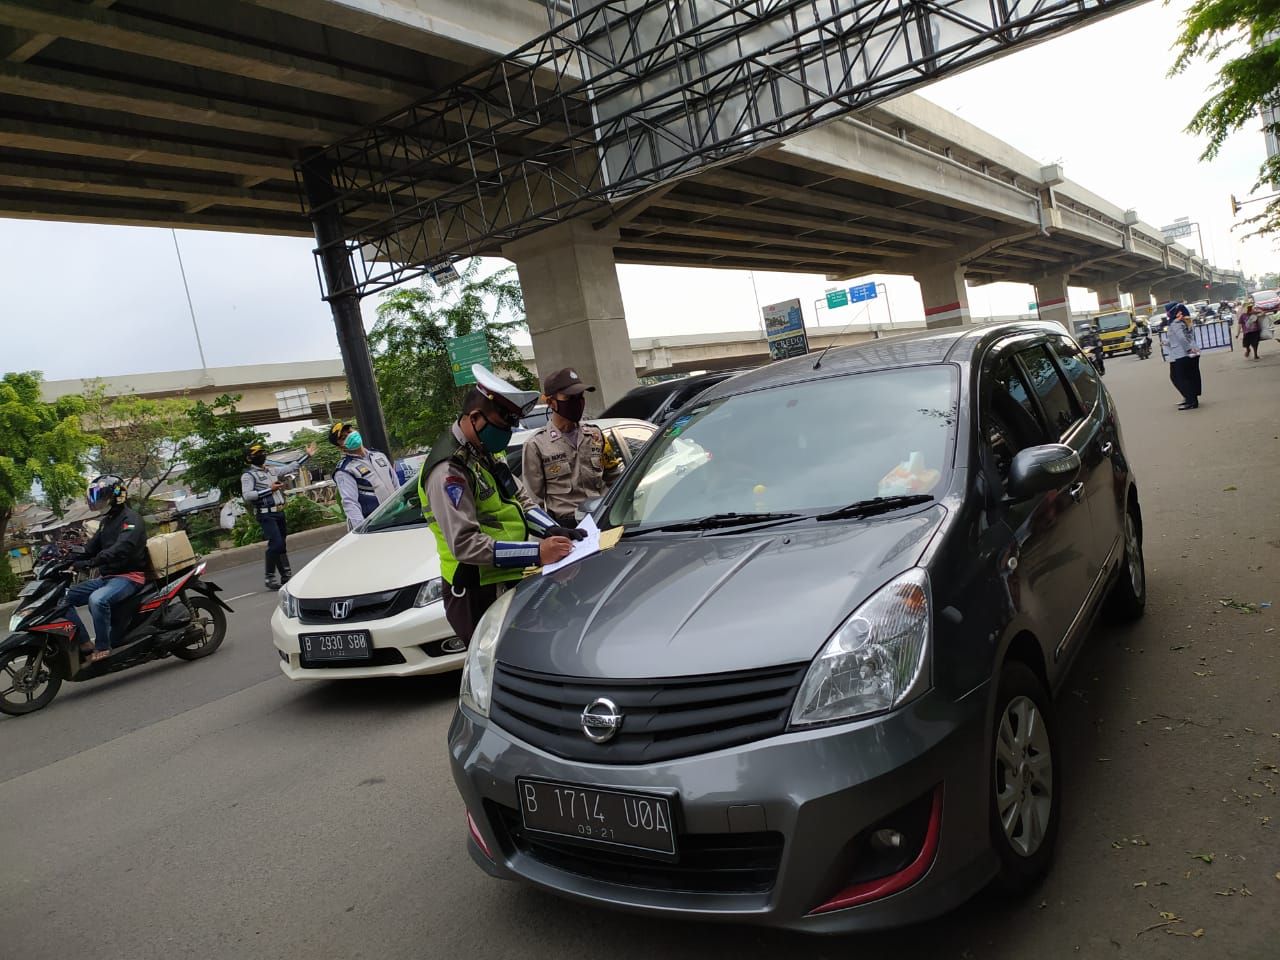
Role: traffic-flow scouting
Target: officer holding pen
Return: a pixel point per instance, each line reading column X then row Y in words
column 364, row 478
column 487, row 528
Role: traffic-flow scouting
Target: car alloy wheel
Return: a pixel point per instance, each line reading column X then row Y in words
column 1133, row 554
column 1024, row 776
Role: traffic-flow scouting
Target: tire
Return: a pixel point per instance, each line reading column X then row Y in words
column 19, row 693
column 210, row 620
column 1026, row 783
column 1127, row 599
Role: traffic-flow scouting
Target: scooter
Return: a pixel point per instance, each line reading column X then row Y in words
column 181, row 617
column 1097, row 357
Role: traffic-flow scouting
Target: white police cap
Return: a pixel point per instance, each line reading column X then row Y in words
column 497, row 389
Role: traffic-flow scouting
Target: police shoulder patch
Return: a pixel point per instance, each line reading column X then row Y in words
column 454, row 488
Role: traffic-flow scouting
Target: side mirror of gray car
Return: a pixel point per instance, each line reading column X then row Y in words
column 1037, row 470
column 587, row 507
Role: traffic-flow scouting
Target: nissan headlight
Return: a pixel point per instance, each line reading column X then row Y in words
column 429, row 592
column 876, row 661
column 477, row 672
column 288, row 603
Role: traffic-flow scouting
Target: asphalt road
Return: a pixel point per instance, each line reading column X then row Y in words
column 215, row 809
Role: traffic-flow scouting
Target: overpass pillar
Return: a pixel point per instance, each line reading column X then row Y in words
column 945, row 296
column 574, row 307
column 326, row 221
column 1108, row 292
column 1141, row 295
column 1052, row 302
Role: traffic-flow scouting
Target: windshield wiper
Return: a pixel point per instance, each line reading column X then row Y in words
column 715, row 521
column 867, row 508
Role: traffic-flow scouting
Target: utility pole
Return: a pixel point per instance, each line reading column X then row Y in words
column 190, row 307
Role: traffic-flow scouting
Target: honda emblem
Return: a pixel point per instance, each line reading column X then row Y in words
column 340, row 609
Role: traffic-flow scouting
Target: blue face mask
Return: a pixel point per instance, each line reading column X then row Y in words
column 354, row 441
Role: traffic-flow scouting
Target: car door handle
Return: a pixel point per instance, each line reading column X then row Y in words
column 1077, row 491
column 1107, row 448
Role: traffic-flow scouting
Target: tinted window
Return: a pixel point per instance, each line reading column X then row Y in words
column 1048, row 386
column 797, row 447
column 1009, row 419
column 1077, row 368
column 635, row 438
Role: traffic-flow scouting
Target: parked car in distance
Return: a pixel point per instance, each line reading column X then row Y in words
column 657, row 402
column 812, row 685
column 369, row 605
column 1268, row 301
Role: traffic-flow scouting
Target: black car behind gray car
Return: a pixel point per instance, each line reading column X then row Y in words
column 812, row 685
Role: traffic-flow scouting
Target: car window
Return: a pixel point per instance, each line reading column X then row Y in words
column 403, row 509
column 1059, row 407
column 1010, row 420
column 798, row 447
column 635, row 437
column 1077, row 368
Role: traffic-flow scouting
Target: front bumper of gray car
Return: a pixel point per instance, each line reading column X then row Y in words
column 795, row 831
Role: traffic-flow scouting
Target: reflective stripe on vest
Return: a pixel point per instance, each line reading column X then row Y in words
column 365, row 492
column 498, row 518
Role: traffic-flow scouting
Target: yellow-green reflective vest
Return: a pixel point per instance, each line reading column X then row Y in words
column 498, row 517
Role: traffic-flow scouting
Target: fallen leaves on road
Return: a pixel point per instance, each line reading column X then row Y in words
column 1229, row 489
column 1239, row 605
column 1206, row 857
column 1140, row 883
column 1129, row 841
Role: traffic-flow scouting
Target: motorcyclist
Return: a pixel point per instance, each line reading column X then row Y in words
column 119, row 550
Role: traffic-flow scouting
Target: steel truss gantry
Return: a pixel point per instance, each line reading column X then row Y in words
column 621, row 96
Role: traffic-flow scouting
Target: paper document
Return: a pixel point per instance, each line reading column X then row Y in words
column 581, row 548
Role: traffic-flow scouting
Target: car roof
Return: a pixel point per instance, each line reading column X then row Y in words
column 946, row 345
column 604, row 423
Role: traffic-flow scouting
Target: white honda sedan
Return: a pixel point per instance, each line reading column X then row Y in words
column 370, row 605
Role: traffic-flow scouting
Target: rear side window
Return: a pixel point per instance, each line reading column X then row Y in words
column 1010, row 421
column 1059, row 407
column 1077, row 369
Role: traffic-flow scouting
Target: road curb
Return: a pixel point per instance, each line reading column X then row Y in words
column 234, row 556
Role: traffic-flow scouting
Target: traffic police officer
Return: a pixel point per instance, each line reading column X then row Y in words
column 260, row 486
column 567, row 461
column 480, row 514
column 364, row 477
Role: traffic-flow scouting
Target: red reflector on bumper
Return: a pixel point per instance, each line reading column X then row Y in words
column 475, row 835
column 870, row 890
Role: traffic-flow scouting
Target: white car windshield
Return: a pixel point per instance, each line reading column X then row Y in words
column 401, row 510
column 800, row 448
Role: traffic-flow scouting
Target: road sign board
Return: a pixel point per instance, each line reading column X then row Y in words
column 1177, row 229
column 784, row 328
column 1032, row 307
column 466, row 350
column 443, row 273
column 865, row 291
column 837, row 298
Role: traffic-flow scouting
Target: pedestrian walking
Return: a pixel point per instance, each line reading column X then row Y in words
column 364, row 478
column 567, row 461
column 487, row 528
column 1250, row 329
column 1184, row 358
column 260, row 487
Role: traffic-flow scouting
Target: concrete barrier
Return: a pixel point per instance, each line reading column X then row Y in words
column 233, row 557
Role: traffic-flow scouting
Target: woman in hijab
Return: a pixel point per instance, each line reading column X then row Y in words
column 1184, row 358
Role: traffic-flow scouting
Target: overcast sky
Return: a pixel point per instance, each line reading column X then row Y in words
column 84, row 300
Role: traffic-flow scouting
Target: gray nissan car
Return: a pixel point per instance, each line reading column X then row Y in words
column 812, row 684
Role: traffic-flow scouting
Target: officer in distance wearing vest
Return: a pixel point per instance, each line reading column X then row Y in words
column 260, row 486
column 483, row 520
column 364, row 477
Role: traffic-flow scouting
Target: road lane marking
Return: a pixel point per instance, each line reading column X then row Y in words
column 243, row 595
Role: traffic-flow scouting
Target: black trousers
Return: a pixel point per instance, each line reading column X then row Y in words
column 1185, row 376
column 464, row 606
column 273, row 528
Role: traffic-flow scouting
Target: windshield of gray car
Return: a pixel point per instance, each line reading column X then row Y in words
column 798, row 448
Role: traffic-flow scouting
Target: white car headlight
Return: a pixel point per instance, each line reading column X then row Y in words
column 288, row 603
column 429, row 592
column 876, row 661
column 477, row 672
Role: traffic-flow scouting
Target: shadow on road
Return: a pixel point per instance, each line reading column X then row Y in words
column 390, row 694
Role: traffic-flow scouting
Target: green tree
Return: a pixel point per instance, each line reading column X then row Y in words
column 142, row 438
column 42, row 443
column 1244, row 37
column 326, row 456
column 410, row 341
column 214, row 452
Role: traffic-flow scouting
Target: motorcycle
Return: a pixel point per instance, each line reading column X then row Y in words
column 181, row 617
column 1097, row 357
column 1142, row 346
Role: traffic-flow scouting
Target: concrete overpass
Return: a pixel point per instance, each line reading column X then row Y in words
column 314, row 389
column 164, row 112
